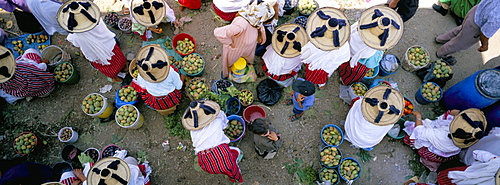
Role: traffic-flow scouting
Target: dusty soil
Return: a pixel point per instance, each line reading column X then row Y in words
column 389, row 165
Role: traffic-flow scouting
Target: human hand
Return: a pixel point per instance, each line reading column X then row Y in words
column 46, row 61
column 76, row 182
column 483, row 48
column 300, row 98
column 392, row 4
column 417, row 114
column 272, row 136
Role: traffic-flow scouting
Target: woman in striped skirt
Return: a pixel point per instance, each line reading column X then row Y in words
column 158, row 82
column 29, row 77
column 239, row 39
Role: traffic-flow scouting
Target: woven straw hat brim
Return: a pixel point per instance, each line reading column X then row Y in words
column 497, row 177
column 52, row 183
column 459, row 122
column 300, row 36
column 123, row 171
column 370, row 113
column 371, row 36
column 8, row 62
column 203, row 119
column 158, row 54
column 326, row 42
column 84, row 24
column 145, row 19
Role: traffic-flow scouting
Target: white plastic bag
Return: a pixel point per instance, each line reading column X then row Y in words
column 347, row 94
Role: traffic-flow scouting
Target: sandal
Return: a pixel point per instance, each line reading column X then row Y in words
column 449, row 60
column 288, row 102
column 293, row 118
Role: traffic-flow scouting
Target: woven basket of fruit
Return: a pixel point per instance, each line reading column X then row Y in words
column 245, row 97
column 330, row 156
column 416, row 57
column 195, row 88
column 25, row 143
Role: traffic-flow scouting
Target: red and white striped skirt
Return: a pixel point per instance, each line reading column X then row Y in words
column 115, row 64
column 442, row 177
column 317, row 76
column 162, row 102
column 350, row 75
column 221, row 160
column 278, row 77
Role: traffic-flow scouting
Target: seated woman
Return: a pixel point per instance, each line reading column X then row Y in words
column 158, row 82
column 26, row 77
column 485, row 171
column 282, row 63
column 442, row 139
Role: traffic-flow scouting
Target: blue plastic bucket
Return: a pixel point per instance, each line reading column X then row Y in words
column 383, row 71
column 326, row 166
column 340, row 131
column 334, row 170
column 352, row 159
column 236, row 110
column 240, row 119
column 492, row 114
column 420, row 98
column 375, row 73
column 479, row 90
column 119, row 103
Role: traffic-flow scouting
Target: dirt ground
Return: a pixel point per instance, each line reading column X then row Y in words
column 389, row 165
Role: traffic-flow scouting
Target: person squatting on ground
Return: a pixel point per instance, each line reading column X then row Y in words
column 302, row 98
column 239, row 39
column 266, row 138
column 441, row 140
column 26, row 77
column 206, row 124
column 405, row 8
column 158, row 82
column 458, row 8
column 480, row 24
column 325, row 51
column 93, row 37
column 144, row 23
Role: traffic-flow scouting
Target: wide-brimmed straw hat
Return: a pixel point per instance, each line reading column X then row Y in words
column 199, row 114
column 7, row 64
column 110, row 170
column 468, row 127
column 497, row 177
column 382, row 105
column 78, row 16
column 153, row 63
column 288, row 39
column 256, row 14
column 148, row 12
column 328, row 28
column 380, row 27
column 52, row 183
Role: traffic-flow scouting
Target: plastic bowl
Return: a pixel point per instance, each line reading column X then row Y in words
column 375, row 73
column 303, row 14
column 198, row 73
column 340, row 131
column 229, row 107
column 119, row 102
column 253, row 112
column 239, row 119
column 334, row 171
column 330, row 147
column 182, row 36
column 108, row 154
column 95, row 158
column 111, row 23
column 340, row 169
column 36, row 141
column 72, row 139
column 402, row 133
column 419, row 97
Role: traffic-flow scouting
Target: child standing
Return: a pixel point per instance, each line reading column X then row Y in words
column 302, row 98
column 266, row 138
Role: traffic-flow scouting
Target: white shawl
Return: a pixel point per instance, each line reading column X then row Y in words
column 45, row 12
column 96, row 44
column 278, row 65
column 479, row 173
column 360, row 132
column 229, row 6
column 328, row 61
column 359, row 49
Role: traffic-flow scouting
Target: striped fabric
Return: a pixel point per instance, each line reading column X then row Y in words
column 221, row 160
column 428, row 155
column 163, row 102
column 225, row 16
column 29, row 81
column 69, row 181
column 317, row 76
column 116, row 63
column 350, row 75
column 278, row 77
column 442, row 177
column 31, row 56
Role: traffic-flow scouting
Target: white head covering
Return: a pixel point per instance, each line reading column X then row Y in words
column 96, row 44
column 229, row 6
column 359, row 49
column 328, row 61
column 45, row 12
column 278, row 65
column 257, row 14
